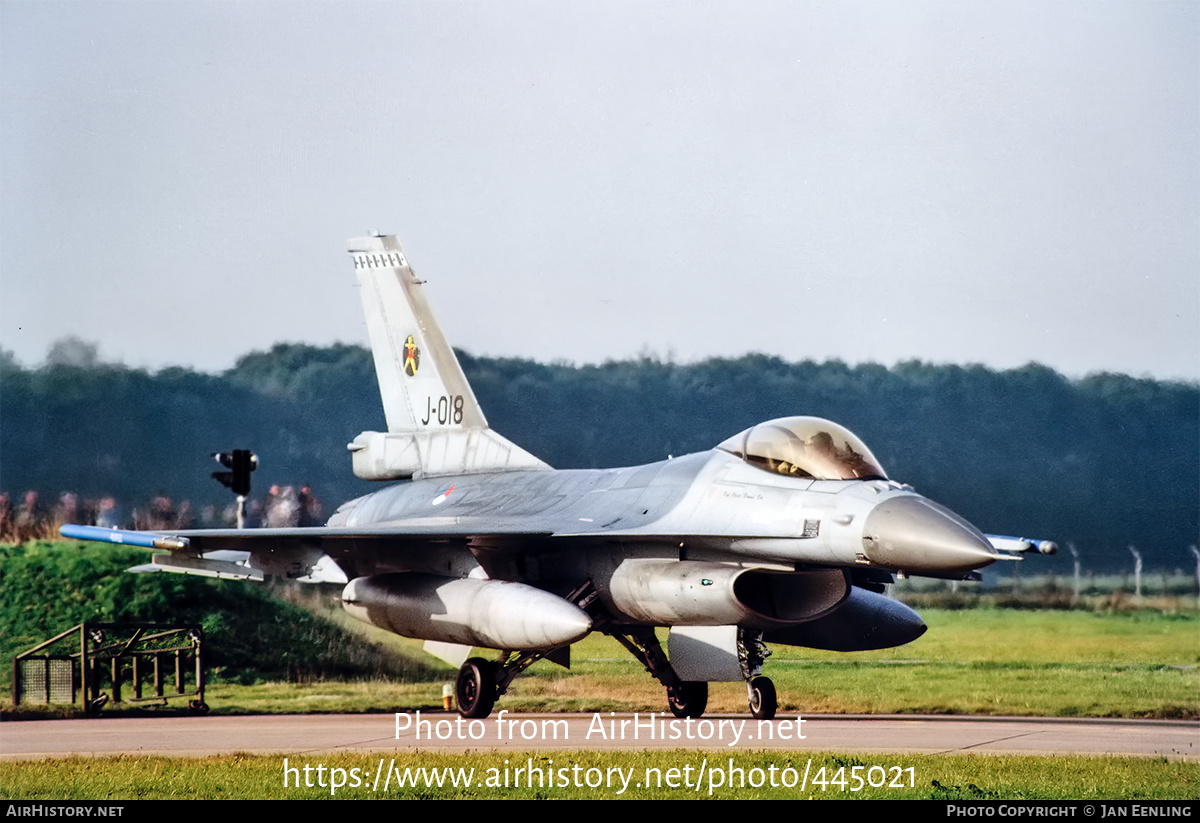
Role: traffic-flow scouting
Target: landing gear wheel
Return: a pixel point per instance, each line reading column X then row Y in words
column 476, row 688
column 763, row 702
column 688, row 699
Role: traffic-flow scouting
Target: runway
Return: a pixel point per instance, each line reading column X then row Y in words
column 309, row 734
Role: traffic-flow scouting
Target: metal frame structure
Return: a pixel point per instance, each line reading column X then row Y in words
column 73, row 665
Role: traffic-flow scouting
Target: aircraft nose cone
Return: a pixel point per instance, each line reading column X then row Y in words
column 914, row 534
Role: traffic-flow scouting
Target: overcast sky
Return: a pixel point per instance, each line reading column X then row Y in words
column 957, row 182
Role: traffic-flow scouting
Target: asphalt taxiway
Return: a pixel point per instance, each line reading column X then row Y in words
column 277, row 734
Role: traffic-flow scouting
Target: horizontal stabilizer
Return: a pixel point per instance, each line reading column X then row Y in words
column 379, row 456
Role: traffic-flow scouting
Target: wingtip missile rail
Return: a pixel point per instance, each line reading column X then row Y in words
column 124, row 537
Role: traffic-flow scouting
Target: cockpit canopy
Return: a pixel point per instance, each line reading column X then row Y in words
column 806, row 447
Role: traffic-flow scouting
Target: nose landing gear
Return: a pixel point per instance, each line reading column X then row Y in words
column 760, row 691
column 763, row 703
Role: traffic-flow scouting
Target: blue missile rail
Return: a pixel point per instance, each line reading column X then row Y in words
column 148, row 540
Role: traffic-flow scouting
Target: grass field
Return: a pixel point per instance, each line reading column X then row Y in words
column 627, row 775
column 980, row 661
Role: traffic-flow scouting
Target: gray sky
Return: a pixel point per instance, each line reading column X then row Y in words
column 951, row 181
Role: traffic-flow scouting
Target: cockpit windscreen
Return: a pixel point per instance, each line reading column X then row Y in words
column 806, row 447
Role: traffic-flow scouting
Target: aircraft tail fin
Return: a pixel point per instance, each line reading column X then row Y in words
column 435, row 424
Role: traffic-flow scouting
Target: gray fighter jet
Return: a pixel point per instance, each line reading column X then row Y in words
column 787, row 532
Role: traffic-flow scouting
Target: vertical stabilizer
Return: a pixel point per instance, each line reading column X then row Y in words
column 419, row 375
column 435, row 424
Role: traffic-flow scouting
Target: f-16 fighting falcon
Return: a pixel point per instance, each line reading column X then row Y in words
column 785, row 533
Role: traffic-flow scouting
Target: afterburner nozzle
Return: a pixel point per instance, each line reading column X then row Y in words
column 913, row 534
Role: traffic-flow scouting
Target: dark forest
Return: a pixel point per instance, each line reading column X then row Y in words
column 1103, row 462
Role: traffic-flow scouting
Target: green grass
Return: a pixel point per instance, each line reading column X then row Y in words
column 970, row 777
column 982, row 661
column 1006, row 635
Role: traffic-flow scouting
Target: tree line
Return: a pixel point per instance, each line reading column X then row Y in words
column 1105, row 461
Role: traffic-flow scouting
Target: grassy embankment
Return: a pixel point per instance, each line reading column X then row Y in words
column 993, row 662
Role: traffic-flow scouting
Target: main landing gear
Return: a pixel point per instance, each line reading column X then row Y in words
column 685, row 698
column 481, row 682
column 475, row 689
column 688, row 699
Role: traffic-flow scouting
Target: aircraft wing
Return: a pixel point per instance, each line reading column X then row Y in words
column 321, row 554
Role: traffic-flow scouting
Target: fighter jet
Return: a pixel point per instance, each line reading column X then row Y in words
column 787, row 533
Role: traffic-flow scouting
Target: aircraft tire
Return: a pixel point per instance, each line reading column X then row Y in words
column 475, row 689
column 688, row 699
column 763, row 702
